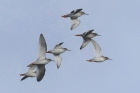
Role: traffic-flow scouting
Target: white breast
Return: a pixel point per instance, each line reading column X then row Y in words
column 90, row 35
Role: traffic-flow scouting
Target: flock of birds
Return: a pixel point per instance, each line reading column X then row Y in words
column 37, row 68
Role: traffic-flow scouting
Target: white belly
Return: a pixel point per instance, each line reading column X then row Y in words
column 90, row 36
column 99, row 59
column 76, row 15
column 42, row 61
column 31, row 74
column 58, row 51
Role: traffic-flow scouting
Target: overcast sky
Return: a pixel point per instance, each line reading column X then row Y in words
column 118, row 23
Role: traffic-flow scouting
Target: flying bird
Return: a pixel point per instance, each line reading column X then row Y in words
column 74, row 17
column 97, row 52
column 41, row 60
column 56, row 52
column 87, row 37
column 31, row 72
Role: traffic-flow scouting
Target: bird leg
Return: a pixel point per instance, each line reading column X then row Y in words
column 22, row 74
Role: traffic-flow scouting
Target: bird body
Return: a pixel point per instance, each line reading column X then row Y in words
column 42, row 60
column 74, row 17
column 56, row 52
column 99, row 59
column 91, row 35
column 87, row 37
column 31, row 73
column 97, row 52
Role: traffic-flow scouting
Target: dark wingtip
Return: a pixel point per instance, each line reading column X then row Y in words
column 38, row 80
column 71, row 28
column 61, row 43
column 57, row 67
column 28, row 66
column 41, row 34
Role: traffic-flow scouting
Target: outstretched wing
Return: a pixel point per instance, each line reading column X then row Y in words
column 88, row 32
column 40, row 72
column 77, row 11
column 72, row 12
column 58, row 45
column 85, row 42
column 58, row 60
column 97, row 49
column 42, row 47
column 75, row 23
column 24, row 78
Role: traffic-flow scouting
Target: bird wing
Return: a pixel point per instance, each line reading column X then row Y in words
column 85, row 42
column 42, row 47
column 58, row 60
column 40, row 72
column 97, row 49
column 75, row 23
column 24, row 78
column 77, row 11
column 58, row 45
column 87, row 33
column 72, row 12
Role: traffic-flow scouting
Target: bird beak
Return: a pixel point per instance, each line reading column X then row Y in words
column 109, row 59
column 98, row 35
column 68, row 50
column 78, row 35
column 64, row 16
column 88, row 60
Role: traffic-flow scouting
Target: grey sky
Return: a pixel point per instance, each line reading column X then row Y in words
column 118, row 23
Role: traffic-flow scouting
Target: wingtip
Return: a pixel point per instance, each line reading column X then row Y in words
column 57, row 67
column 61, row 43
column 71, row 28
column 28, row 65
column 41, row 34
column 38, row 80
